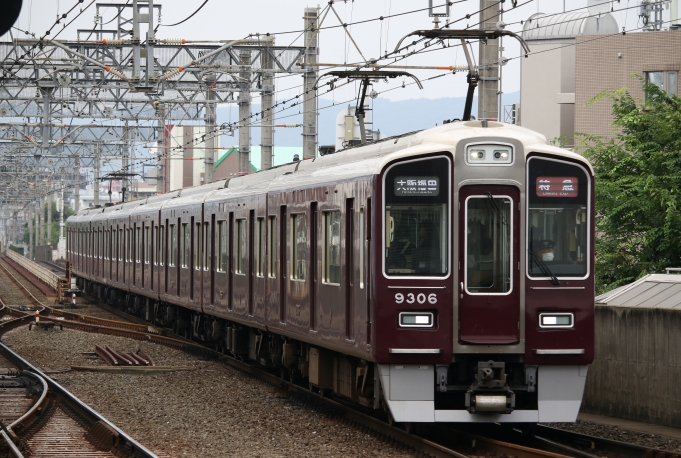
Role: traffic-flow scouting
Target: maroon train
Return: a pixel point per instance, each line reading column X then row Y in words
column 446, row 275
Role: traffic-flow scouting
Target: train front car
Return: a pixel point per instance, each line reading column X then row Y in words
column 484, row 280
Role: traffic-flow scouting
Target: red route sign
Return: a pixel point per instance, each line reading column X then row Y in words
column 557, row 187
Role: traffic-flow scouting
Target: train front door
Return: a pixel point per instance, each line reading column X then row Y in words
column 489, row 297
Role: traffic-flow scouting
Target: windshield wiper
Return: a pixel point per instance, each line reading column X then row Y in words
column 543, row 267
column 494, row 205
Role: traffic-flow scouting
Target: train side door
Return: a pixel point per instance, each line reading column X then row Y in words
column 489, row 296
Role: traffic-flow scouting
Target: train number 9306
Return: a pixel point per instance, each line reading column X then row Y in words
column 411, row 298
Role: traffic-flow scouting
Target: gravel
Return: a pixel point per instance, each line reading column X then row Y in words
column 10, row 293
column 212, row 411
column 620, row 434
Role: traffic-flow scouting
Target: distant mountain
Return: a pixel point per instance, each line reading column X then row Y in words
column 391, row 118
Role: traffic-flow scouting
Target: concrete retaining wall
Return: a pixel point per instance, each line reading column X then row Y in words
column 637, row 371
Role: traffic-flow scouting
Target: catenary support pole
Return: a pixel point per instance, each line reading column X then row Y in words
column 210, row 143
column 488, row 87
column 245, row 112
column 267, row 118
column 310, row 78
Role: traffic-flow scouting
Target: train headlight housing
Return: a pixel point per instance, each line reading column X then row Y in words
column 416, row 320
column 556, row 320
column 477, row 155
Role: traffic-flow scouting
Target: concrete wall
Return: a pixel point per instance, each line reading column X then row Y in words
column 637, row 371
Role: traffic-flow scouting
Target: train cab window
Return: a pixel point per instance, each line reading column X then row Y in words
column 186, row 244
column 488, row 244
column 241, row 246
column 299, row 246
column 222, row 246
column 416, row 218
column 272, row 246
column 206, row 246
column 558, row 219
column 332, row 258
column 260, row 268
column 173, row 245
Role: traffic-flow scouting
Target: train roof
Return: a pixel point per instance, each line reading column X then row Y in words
column 349, row 164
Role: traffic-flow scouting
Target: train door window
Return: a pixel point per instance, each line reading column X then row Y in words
column 331, row 256
column 147, row 244
column 489, row 244
column 138, row 244
column 241, row 246
column 222, row 246
column 558, row 219
column 272, row 246
column 173, row 245
column 260, row 267
column 197, row 246
column 298, row 246
column 186, row 244
column 161, row 245
column 416, row 218
column 206, row 246
column 361, row 248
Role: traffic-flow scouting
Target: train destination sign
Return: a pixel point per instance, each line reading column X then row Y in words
column 557, row 187
column 417, row 186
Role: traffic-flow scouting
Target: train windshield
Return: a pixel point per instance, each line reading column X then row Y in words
column 416, row 218
column 558, row 219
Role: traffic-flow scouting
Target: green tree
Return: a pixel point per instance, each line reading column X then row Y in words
column 638, row 187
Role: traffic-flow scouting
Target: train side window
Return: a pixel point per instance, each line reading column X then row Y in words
column 260, row 268
column 331, row 255
column 128, row 245
column 160, row 243
column 272, row 246
column 186, row 244
column 173, row 245
column 206, row 246
column 121, row 243
column 197, row 247
column 147, row 244
column 298, row 246
column 241, row 247
column 222, row 246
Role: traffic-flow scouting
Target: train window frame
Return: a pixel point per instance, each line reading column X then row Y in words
column 465, row 245
column 172, row 242
column 121, row 244
column 222, row 262
column 206, row 246
column 147, row 244
column 138, row 244
column 272, row 246
column 197, row 245
column 296, row 253
column 448, row 218
column 326, row 261
column 241, row 245
column 589, row 209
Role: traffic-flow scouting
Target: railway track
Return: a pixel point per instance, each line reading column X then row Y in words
column 439, row 441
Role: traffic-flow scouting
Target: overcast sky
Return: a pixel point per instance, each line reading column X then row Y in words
column 223, row 20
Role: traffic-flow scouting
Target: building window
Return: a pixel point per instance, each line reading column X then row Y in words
column 299, row 246
column 272, row 246
column 667, row 81
column 332, row 259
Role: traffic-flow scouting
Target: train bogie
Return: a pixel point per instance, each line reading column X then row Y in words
column 445, row 276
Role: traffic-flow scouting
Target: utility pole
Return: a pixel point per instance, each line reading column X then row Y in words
column 76, row 188
column 245, row 111
column 124, row 163
column 488, row 87
column 310, row 78
column 267, row 119
column 210, row 144
column 96, row 183
column 160, row 165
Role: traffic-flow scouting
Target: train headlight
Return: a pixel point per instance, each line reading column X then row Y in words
column 477, row 155
column 556, row 320
column 416, row 320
